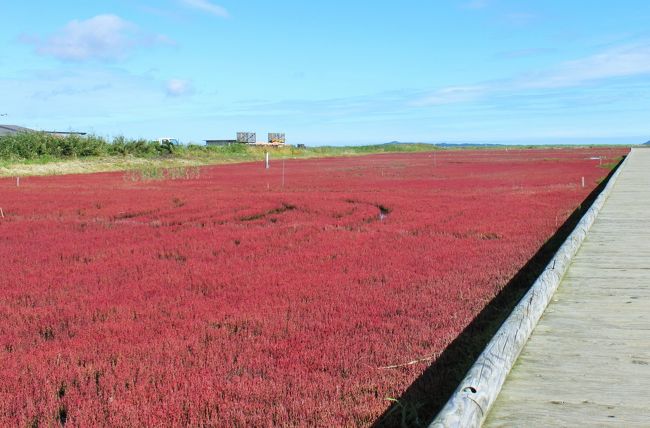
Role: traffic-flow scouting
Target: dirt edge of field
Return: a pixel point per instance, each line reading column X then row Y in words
column 87, row 166
column 127, row 163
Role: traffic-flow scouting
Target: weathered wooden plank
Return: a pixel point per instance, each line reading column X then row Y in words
column 471, row 402
column 588, row 361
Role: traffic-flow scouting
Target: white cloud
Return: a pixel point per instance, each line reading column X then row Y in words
column 103, row 37
column 79, row 95
column 520, row 19
column 619, row 62
column 476, row 4
column 206, row 6
column 451, row 95
column 623, row 61
column 521, row 53
column 178, row 87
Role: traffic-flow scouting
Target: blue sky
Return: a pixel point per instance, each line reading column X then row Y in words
column 335, row 72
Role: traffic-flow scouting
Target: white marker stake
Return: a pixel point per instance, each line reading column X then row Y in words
column 267, row 160
column 583, row 182
column 17, row 181
column 2, row 214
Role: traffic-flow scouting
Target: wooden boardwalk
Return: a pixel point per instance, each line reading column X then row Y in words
column 587, row 362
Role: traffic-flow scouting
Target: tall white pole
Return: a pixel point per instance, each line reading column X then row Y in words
column 268, row 186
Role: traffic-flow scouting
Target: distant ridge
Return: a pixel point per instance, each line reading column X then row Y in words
column 451, row 144
column 469, row 144
column 404, row 142
column 647, row 143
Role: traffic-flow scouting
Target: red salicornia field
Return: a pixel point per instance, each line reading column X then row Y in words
column 232, row 296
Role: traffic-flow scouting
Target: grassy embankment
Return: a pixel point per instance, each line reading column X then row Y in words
column 42, row 154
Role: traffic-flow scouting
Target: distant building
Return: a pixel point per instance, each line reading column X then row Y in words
column 250, row 138
column 219, row 142
column 247, row 137
column 65, row 133
column 6, row 130
column 277, row 138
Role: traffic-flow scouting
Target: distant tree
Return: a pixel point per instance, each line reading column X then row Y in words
column 167, row 146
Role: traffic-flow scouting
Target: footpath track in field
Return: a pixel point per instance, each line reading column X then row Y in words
column 588, row 361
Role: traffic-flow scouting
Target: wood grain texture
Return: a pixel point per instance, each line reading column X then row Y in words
column 474, row 397
column 588, row 361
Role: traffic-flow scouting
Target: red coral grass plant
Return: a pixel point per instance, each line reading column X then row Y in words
column 234, row 298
